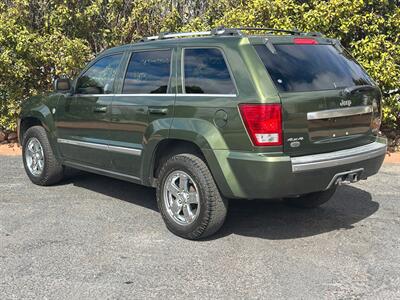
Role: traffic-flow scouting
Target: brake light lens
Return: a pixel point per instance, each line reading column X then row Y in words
column 263, row 123
column 376, row 116
column 304, row 41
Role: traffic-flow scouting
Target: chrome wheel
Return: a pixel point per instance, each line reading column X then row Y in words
column 181, row 197
column 34, row 156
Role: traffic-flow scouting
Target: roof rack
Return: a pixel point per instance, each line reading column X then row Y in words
column 169, row 35
column 222, row 31
column 294, row 31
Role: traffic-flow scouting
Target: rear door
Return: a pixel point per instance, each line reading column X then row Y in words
column 328, row 101
column 144, row 104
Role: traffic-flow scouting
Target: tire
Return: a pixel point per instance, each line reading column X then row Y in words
column 51, row 171
column 208, row 215
column 312, row 200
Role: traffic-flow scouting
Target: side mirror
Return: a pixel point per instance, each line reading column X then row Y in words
column 62, row 85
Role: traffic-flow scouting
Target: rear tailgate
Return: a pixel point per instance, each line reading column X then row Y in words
column 328, row 101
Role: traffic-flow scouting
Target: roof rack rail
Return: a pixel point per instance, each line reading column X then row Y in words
column 169, row 35
column 294, row 31
column 221, row 31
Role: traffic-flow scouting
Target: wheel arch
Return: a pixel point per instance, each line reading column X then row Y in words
column 153, row 160
column 39, row 116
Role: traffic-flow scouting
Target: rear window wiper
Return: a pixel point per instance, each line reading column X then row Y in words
column 358, row 88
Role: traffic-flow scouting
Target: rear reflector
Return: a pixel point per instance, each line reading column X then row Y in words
column 303, row 41
column 263, row 123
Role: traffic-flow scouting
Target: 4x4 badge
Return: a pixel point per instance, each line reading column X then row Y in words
column 345, row 102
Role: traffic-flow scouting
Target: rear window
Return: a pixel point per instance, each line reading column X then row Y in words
column 300, row 68
column 206, row 72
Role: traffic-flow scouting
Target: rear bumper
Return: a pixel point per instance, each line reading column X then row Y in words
column 262, row 176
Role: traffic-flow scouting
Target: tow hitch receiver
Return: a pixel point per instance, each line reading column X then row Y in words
column 346, row 177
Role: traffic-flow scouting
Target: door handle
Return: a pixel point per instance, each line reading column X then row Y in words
column 100, row 109
column 158, row 110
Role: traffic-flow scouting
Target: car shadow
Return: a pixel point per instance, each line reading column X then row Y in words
column 276, row 221
column 267, row 219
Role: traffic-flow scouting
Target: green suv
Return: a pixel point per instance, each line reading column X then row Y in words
column 208, row 116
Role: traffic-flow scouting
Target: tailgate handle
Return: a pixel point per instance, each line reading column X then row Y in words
column 158, row 110
column 340, row 112
column 100, row 109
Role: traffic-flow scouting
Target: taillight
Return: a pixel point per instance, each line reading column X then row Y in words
column 304, row 41
column 263, row 123
column 376, row 116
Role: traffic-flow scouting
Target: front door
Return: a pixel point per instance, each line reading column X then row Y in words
column 82, row 118
column 145, row 102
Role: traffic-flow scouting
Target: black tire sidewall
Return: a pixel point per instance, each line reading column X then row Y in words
column 191, row 230
column 40, row 134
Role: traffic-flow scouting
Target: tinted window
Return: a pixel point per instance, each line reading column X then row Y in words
column 99, row 78
column 298, row 68
column 206, row 72
column 148, row 72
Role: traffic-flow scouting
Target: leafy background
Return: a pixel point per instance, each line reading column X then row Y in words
column 42, row 39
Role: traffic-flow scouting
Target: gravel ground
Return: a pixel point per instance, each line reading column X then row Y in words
column 96, row 237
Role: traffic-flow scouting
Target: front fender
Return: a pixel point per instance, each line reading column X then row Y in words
column 40, row 108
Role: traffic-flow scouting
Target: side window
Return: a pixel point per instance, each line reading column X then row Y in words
column 206, row 72
column 99, row 78
column 148, row 72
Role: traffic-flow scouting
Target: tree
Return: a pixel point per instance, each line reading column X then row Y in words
column 41, row 39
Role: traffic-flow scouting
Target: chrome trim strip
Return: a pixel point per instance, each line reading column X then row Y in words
column 337, row 158
column 117, row 149
column 207, row 95
column 156, row 95
column 340, row 112
column 126, row 95
column 112, row 173
column 83, row 144
column 125, row 150
column 144, row 95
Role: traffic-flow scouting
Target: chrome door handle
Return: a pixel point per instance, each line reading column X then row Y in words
column 158, row 110
column 100, row 109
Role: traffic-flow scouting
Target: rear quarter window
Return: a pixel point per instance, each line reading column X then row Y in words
column 206, row 72
column 301, row 68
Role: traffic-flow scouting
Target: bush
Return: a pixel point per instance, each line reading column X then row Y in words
column 40, row 40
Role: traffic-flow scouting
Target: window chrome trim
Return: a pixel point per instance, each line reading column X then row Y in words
column 98, row 146
column 340, row 112
column 93, row 95
column 337, row 158
column 157, row 95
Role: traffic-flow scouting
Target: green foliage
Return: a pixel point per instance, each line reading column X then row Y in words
column 41, row 39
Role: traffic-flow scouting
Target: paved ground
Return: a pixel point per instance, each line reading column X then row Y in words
column 95, row 237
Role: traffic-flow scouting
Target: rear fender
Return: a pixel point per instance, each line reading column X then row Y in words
column 199, row 132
